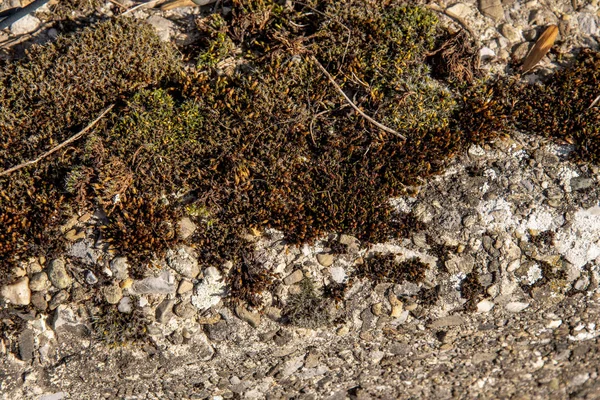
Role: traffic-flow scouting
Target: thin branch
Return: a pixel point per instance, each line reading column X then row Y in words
column 358, row 110
column 455, row 17
column 60, row 146
column 594, row 102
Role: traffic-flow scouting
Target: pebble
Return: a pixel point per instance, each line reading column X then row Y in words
column 184, row 310
column 511, row 33
column 164, row 311
column 125, row 305
column 185, row 286
column 27, row 24
column 252, row 318
column 74, row 235
column 338, row 274
column 397, row 306
column 113, row 294
column 162, row 25
column 492, row 9
column 294, row 277
column 184, row 261
column 58, row 299
column 26, row 345
column 58, row 275
column 38, row 300
column 348, row 240
column 325, row 259
column 39, row 282
column 484, row 306
column 516, row 306
column 444, row 322
column 186, row 228
column 120, row 268
column 485, row 53
column 90, row 278
column 163, row 284
column 18, row 293
column 579, row 183
column 459, row 9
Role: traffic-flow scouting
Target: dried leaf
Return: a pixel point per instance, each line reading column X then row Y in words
column 542, row 46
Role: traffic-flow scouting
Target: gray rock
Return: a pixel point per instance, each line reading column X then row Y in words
column 112, row 294
column 294, row 277
column 184, row 261
column 162, row 25
column 520, row 51
column 588, row 24
column 492, row 9
column 18, row 293
column 444, row 322
column 185, row 309
column 163, row 284
column 164, row 311
column 511, row 33
column 252, row 318
column 38, row 300
column 27, row 24
column 39, row 282
column 218, row 332
column 58, row 299
column 57, row 273
column 459, row 9
column 579, row 183
column 26, row 345
column 54, row 396
column 120, row 268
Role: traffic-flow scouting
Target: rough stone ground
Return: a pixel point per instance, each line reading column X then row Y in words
column 508, row 214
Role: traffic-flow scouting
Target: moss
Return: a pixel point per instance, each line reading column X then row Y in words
column 472, row 290
column 307, row 309
column 383, row 268
column 116, row 329
column 44, row 99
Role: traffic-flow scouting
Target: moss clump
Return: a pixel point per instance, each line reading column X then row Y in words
column 562, row 107
column 114, row 328
column 381, row 268
column 44, row 99
column 307, row 309
column 472, row 290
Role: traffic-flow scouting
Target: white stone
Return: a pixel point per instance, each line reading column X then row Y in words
column 516, row 306
column 18, row 293
column 27, row 24
column 554, row 324
column 184, row 261
column 485, row 306
column 459, row 9
column 338, row 274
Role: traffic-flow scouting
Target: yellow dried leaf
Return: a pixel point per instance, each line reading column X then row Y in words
column 541, row 47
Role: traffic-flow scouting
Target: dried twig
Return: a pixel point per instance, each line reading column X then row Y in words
column 60, row 146
column 358, row 110
column 150, row 4
column 455, row 17
column 596, row 100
